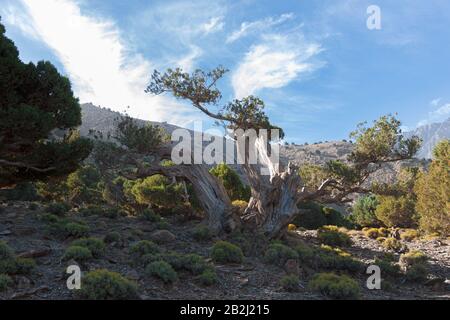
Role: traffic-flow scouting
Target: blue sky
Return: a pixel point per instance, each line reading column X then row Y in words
column 318, row 67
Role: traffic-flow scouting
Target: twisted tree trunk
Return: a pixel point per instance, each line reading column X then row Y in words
column 209, row 190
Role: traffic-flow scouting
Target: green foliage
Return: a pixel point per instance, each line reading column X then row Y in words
column 313, row 216
column 413, row 257
column 192, row 263
column 107, row 285
column 334, row 286
column 58, row 208
column 382, row 140
column 290, row 283
column 24, row 191
column 64, row 228
column 76, row 230
column 328, row 258
column 162, row 270
column 396, row 211
column 416, row 265
column 432, row 190
column 200, row 88
column 150, row 215
column 95, row 245
column 202, row 233
column 331, row 235
column 393, row 245
column 376, row 233
column 84, row 185
column 102, row 211
column 112, row 237
column 278, row 254
column 25, row 265
column 236, row 190
column 5, row 251
column 364, row 211
column 5, row 282
column 77, row 253
column 157, row 190
column 225, row 252
column 139, row 138
column 34, row 100
column 9, row 264
column 143, row 247
column 388, row 268
column 208, row 277
column 239, row 206
column 410, row 235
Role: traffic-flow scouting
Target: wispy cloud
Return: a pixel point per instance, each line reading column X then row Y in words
column 213, row 25
column 274, row 63
column 95, row 57
column 440, row 114
column 435, row 102
column 258, row 25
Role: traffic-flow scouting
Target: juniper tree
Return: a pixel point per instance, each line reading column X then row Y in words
column 35, row 100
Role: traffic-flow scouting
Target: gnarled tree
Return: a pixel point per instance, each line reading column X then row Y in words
column 274, row 197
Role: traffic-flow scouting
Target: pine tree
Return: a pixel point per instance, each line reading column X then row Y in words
column 35, row 100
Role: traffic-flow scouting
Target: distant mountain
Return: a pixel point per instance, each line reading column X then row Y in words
column 105, row 120
column 431, row 134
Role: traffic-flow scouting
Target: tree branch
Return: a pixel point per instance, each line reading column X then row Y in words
column 26, row 166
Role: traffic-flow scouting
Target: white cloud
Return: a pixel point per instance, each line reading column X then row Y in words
column 187, row 62
column 97, row 61
column 274, row 63
column 440, row 114
column 213, row 25
column 435, row 102
column 258, row 25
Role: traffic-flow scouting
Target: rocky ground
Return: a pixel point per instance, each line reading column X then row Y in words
column 24, row 231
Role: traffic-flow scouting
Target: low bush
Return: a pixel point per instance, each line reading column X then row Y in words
column 150, row 215
column 107, row 285
column 313, row 216
column 278, row 254
column 326, row 257
column 112, row 237
column 208, row 277
column 289, row 283
column 95, row 245
column 410, row 235
column 25, row 265
column 363, row 212
column 415, row 264
column 393, row 245
column 76, row 230
column 162, row 270
column 9, row 264
column 77, row 253
column 388, row 268
column 333, row 236
column 202, row 233
column 58, row 208
column 334, row 286
column 239, row 206
column 5, row 282
column 225, row 252
column 143, row 247
column 194, row 263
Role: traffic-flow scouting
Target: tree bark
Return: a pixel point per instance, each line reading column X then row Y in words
column 209, row 190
